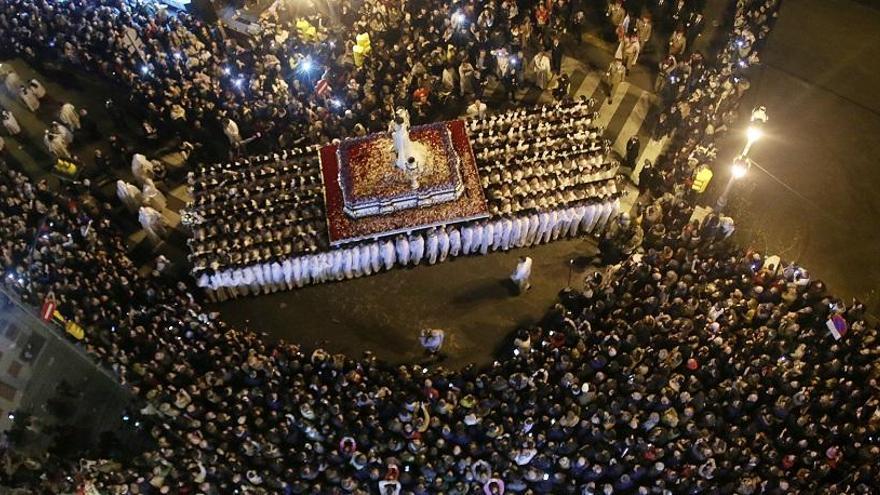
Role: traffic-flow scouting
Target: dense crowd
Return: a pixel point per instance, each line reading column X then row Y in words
column 687, row 366
column 301, row 76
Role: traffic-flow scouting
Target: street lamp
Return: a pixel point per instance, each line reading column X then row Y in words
column 753, row 134
column 738, row 170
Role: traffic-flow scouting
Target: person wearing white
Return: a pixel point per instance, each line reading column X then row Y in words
column 153, row 196
column 242, row 280
column 431, row 247
column 534, row 227
column 153, row 223
column 443, row 244
column 497, row 235
column 129, row 194
column 356, row 261
column 63, row 131
column 403, row 253
column 608, row 209
column 259, row 283
column 375, row 257
column 37, row 88
column 387, row 254
column 12, row 81
column 29, row 99
column 142, row 168
column 544, row 227
column 417, row 248
column 301, row 272
column 506, row 231
column 515, row 231
column 577, row 217
column 454, row 242
column 317, row 268
column 590, row 218
column 556, row 222
column 467, row 238
column 287, row 270
column 488, row 236
column 69, row 116
column 339, row 264
column 277, row 276
column 56, row 145
column 347, row 263
column 10, row 123
column 521, row 275
column 477, row 242
column 230, row 128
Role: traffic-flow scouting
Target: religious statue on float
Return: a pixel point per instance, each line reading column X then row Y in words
column 411, row 155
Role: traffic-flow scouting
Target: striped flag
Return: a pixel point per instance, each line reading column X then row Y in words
column 322, row 88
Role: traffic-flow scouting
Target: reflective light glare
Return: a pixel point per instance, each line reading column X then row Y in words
column 145, row 70
column 754, row 133
column 738, row 170
column 458, row 17
column 238, row 82
column 306, row 65
column 227, row 71
column 336, row 103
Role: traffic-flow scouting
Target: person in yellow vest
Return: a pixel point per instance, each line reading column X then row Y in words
column 702, row 176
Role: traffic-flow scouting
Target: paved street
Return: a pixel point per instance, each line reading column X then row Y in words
column 819, row 83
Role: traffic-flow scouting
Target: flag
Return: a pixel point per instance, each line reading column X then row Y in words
column 837, row 326
column 47, row 310
column 322, row 88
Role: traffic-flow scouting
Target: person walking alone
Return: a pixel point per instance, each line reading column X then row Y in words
column 522, row 274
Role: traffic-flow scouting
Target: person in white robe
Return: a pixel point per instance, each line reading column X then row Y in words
column 366, row 266
column 338, row 272
column 577, row 216
column 375, row 257
column 388, row 252
column 467, row 238
column 317, row 268
column 277, row 276
column 130, row 195
column 10, row 123
column 543, row 227
column 29, row 99
column 153, row 223
column 13, row 81
column 522, row 273
column 590, row 218
column 37, row 88
column 304, row 276
column 488, row 237
column 497, row 234
column 417, row 248
column 608, row 209
column 56, row 145
column 63, row 131
column 241, row 282
column 543, row 70
column 287, row 270
column 454, row 241
column 249, row 277
column 230, row 128
column 442, row 244
column 69, row 116
column 142, row 168
column 347, row 263
column 403, row 254
column 259, row 282
column 152, row 196
column 431, row 247
column 506, row 232
column 534, row 227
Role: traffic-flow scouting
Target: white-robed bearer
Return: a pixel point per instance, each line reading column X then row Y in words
column 29, row 99
column 37, row 88
column 347, row 263
column 543, row 69
column 522, row 274
column 69, row 116
column 230, row 128
column 615, row 75
column 366, row 260
column 467, row 239
column 10, row 123
column 442, row 244
column 356, row 269
column 488, row 237
column 63, row 131
column 130, row 195
column 152, row 196
column 454, row 241
column 403, row 252
column 12, row 81
column 387, row 255
column 287, row 270
column 153, row 223
column 141, row 168
column 431, row 247
column 56, row 145
column 417, row 249
column 277, row 276
column 376, row 256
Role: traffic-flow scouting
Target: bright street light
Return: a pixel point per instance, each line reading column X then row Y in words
column 738, row 169
column 754, row 133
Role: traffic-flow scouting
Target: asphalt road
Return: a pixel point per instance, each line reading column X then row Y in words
column 817, row 202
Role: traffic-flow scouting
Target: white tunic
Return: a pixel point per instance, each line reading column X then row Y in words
column 403, row 253
column 376, row 258
column 443, row 244
column 347, row 263
column 431, row 247
column 454, row 242
column 467, row 237
column 488, row 237
column 388, row 255
column 417, row 248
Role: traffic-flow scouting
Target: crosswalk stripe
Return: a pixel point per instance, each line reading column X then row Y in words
column 633, row 122
column 590, row 85
column 606, row 112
